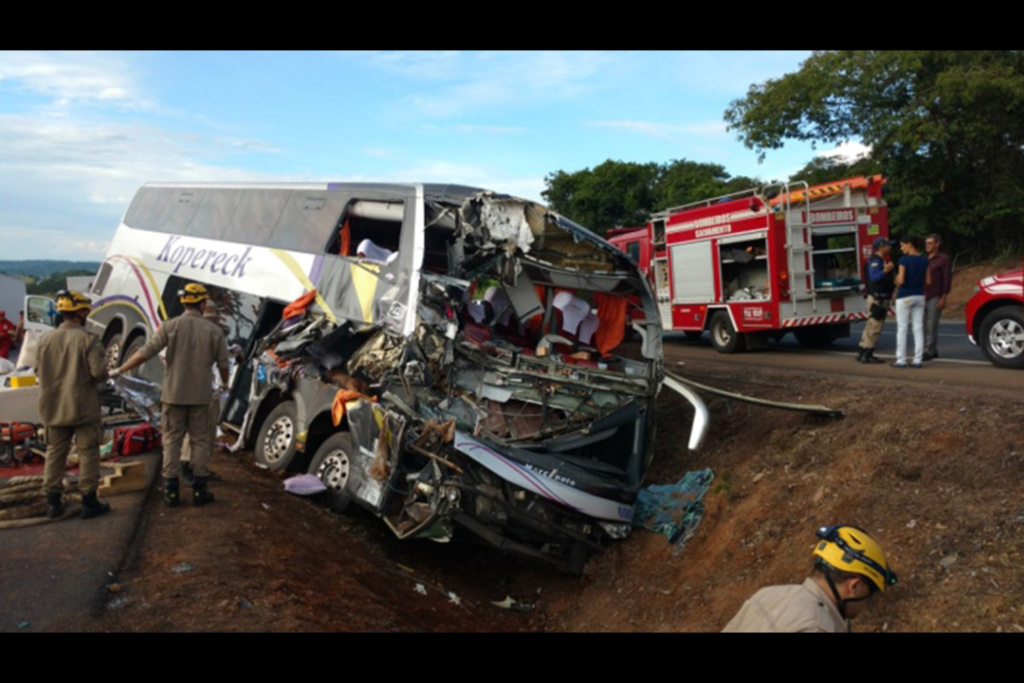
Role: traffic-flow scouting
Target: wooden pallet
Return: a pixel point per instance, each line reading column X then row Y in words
column 127, row 477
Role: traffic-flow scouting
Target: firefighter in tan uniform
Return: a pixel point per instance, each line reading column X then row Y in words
column 194, row 345
column 187, row 476
column 849, row 568
column 69, row 363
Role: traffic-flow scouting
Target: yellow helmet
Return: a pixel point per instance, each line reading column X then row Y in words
column 193, row 293
column 849, row 549
column 71, row 301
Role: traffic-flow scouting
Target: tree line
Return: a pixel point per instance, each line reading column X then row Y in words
column 944, row 127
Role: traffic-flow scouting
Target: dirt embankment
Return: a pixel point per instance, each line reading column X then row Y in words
column 934, row 471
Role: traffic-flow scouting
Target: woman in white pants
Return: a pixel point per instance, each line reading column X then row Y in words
column 910, row 281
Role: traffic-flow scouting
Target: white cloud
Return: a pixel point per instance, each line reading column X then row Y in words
column 461, row 82
column 377, row 152
column 675, row 132
column 73, row 245
column 110, row 160
column 847, row 151
column 74, row 77
column 493, row 130
column 425, row 65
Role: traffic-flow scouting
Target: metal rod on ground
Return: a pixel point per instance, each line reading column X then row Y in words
column 701, row 417
column 818, row 410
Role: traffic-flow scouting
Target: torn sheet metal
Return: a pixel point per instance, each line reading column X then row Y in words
column 490, row 316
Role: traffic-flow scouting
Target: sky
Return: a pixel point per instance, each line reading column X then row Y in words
column 80, row 132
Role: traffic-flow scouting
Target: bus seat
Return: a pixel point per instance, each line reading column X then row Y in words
column 371, row 252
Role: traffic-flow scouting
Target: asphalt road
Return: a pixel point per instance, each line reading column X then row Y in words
column 960, row 370
column 55, row 576
column 954, row 346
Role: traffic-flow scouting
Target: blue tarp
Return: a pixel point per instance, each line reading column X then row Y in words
column 673, row 510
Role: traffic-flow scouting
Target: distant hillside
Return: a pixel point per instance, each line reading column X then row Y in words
column 42, row 269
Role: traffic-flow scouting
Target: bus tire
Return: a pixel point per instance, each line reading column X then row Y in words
column 724, row 337
column 112, row 350
column 333, row 465
column 275, row 443
column 134, row 345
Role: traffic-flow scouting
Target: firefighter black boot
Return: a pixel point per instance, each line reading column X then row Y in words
column 55, row 509
column 92, row 507
column 861, row 352
column 870, row 357
column 200, row 496
column 187, row 477
column 171, row 497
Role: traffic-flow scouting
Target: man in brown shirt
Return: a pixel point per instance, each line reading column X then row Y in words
column 69, row 363
column 849, row 568
column 194, row 344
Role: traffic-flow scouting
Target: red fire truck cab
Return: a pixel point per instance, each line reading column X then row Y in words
column 754, row 265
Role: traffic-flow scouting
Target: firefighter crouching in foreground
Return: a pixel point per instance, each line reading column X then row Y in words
column 849, row 569
column 194, row 345
column 69, row 363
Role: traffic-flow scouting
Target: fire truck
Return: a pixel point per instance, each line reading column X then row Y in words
column 751, row 266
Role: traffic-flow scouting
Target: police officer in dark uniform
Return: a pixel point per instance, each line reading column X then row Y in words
column 879, row 276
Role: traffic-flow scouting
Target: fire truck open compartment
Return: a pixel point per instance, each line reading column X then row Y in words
column 744, row 263
column 835, row 258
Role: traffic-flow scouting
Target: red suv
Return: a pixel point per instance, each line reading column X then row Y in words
column 995, row 318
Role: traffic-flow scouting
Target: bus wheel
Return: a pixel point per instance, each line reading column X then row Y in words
column 112, row 351
column 136, row 344
column 724, row 336
column 332, row 464
column 275, row 444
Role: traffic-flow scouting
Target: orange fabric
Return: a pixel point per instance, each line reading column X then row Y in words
column 346, row 238
column 340, row 399
column 298, row 307
column 280, row 363
column 611, row 329
column 533, row 324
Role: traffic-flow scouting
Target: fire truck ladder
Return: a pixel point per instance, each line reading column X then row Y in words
column 799, row 244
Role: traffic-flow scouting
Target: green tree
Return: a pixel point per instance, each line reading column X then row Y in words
column 946, row 127
column 612, row 194
column 828, row 169
column 624, row 194
column 49, row 286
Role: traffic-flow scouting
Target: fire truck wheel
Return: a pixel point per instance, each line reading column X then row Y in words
column 332, row 464
column 724, row 336
column 1002, row 337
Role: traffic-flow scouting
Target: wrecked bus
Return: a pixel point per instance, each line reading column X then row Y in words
column 449, row 358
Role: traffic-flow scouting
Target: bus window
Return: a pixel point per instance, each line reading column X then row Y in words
column 101, row 279
column 237, row 312
column 378, row 221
